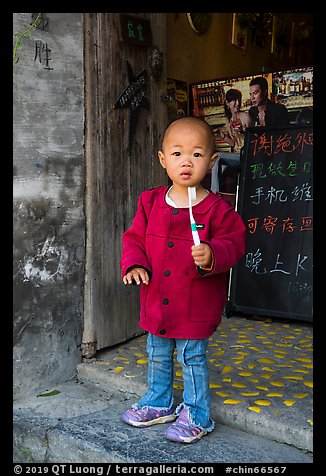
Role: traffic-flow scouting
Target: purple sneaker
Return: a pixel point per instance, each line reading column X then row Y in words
column 143, row 417
column 182, row 431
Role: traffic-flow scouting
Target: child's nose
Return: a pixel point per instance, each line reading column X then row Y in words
column 187, row 162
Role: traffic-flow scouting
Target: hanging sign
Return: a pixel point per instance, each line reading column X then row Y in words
column 133, row 97
column 135, row 30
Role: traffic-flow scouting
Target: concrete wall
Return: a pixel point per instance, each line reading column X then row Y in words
column 48, row 195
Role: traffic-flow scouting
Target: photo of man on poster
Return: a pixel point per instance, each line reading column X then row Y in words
column 263, row 111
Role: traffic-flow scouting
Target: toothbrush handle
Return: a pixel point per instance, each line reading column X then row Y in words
column 196, row 238
column 194, row 231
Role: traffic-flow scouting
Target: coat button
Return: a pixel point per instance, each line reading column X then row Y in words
column 167, row 272
column 170, row 244
column 175, row 211
column 162, row 332
column 165, row 301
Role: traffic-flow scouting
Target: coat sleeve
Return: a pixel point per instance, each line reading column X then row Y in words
column 133, row 241
column 228, row 241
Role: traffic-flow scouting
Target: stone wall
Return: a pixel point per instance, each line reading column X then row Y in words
column 48, row 201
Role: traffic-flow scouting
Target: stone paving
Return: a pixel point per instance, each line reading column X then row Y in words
column 261, row 387
column 260, row 374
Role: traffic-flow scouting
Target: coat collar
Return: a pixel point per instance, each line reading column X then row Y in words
column 201, row 207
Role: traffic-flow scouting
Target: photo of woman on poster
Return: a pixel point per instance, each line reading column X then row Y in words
column 236, row 121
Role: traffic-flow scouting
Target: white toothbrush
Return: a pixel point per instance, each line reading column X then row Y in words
column 192, row 196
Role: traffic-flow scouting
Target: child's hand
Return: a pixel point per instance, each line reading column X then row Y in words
column 202, row 255
column 136, row 274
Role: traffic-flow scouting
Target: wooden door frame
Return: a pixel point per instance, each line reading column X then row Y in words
column 100, row 41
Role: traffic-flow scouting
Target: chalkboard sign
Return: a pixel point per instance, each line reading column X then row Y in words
column 275, row 277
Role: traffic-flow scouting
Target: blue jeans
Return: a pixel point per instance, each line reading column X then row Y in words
column 192, row 357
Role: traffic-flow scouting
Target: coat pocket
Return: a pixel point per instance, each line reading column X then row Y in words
column 207, row 298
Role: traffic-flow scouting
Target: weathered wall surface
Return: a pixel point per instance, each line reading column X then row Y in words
column 48, row 201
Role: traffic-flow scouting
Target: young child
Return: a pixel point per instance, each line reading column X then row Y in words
column 183, row 286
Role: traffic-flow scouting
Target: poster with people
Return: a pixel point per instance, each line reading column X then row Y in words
column 231, row 105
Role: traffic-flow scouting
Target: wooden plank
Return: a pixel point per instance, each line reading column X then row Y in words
column 115, row 175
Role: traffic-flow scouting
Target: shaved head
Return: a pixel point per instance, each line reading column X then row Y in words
column 187, row 124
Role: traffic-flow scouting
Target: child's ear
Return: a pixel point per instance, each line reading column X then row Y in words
column 161, row 158
column 214, row 158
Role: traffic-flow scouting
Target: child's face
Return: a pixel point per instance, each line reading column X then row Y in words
column 187, row 153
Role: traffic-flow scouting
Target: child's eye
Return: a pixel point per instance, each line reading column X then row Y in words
column 197, row 154
column 176, row 153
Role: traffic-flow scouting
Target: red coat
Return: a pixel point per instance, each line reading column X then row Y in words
column 181, row 300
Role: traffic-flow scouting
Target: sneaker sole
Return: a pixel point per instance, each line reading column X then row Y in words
column 145, row 424
column 185, row 439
